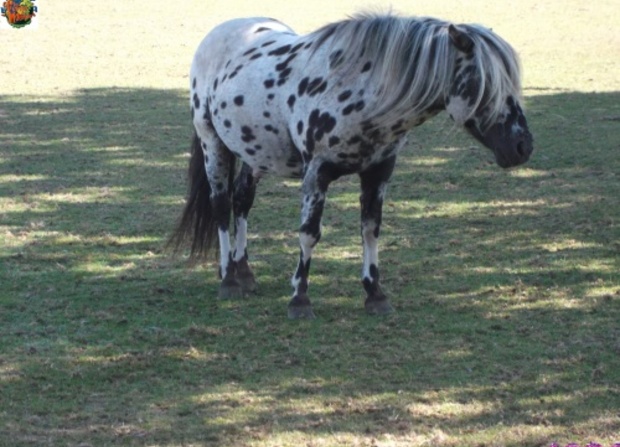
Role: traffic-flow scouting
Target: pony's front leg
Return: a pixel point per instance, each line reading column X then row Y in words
column 374, row 184
column 243, row 199
column 314, row 188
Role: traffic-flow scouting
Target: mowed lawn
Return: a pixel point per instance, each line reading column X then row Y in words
column 506, row 284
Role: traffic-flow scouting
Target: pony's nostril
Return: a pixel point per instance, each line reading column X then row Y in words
column 521, row 149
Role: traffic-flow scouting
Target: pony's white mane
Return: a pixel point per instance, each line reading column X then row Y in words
column 414, row 61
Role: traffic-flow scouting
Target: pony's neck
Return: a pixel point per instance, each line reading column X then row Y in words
column 411, row 113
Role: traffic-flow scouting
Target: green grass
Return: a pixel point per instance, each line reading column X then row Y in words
column 506, row 284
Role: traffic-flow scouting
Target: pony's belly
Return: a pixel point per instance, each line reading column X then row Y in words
column 281, row 163
column 265, row 154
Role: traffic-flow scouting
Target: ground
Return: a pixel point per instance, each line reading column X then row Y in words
column 505, row 283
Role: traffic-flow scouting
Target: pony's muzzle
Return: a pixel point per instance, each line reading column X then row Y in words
column 517, row 153
column 510, row 148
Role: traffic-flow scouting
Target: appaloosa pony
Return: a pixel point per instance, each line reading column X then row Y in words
column 338, row 101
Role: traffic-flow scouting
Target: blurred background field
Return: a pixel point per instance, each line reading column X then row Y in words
column 571, row 45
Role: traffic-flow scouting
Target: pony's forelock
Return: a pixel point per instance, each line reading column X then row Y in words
column 499, row 69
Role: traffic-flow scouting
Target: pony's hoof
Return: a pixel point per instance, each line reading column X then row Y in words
column 230, row 290
column 301, row 312
column 248, row 283
column 300, row 308
column 378, row 307
column 245, row 276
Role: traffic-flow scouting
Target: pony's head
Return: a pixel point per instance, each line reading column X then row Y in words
column 485, row 91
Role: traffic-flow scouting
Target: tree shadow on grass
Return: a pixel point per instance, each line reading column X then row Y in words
column 505, row 284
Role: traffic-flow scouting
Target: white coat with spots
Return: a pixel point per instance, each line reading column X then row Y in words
column 338, row 101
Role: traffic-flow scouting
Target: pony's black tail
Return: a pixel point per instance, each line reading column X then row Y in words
column 197, row 226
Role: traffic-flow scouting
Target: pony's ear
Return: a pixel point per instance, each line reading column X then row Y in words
column 461, row 40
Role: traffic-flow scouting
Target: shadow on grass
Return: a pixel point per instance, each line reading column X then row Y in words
column 505, row 282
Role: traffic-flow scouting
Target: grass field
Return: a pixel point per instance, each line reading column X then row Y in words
column 506, row 284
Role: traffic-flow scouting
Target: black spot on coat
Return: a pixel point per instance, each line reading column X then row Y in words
column 270, row 128
column 247, row 135
column 280, row 51
column 316, row 86
column 284, row 74
column 284, row 64
column 319, row 124
column 296, row 48
column 348, row 109
column 303, row 86
column 344, row 95
column 291, row 101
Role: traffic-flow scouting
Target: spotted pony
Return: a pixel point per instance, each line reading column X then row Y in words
column 338, row 101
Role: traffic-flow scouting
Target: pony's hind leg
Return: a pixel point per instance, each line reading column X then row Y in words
column 374, row 183
column 243, row 199
column 219, row 167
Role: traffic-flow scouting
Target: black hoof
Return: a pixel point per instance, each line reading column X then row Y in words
column 301, row 313
column 245, row 276
column 248, row 283
column 378, row 307
column 230, row 289
column 300, row 308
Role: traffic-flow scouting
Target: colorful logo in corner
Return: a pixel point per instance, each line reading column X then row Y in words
column 18, row 13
